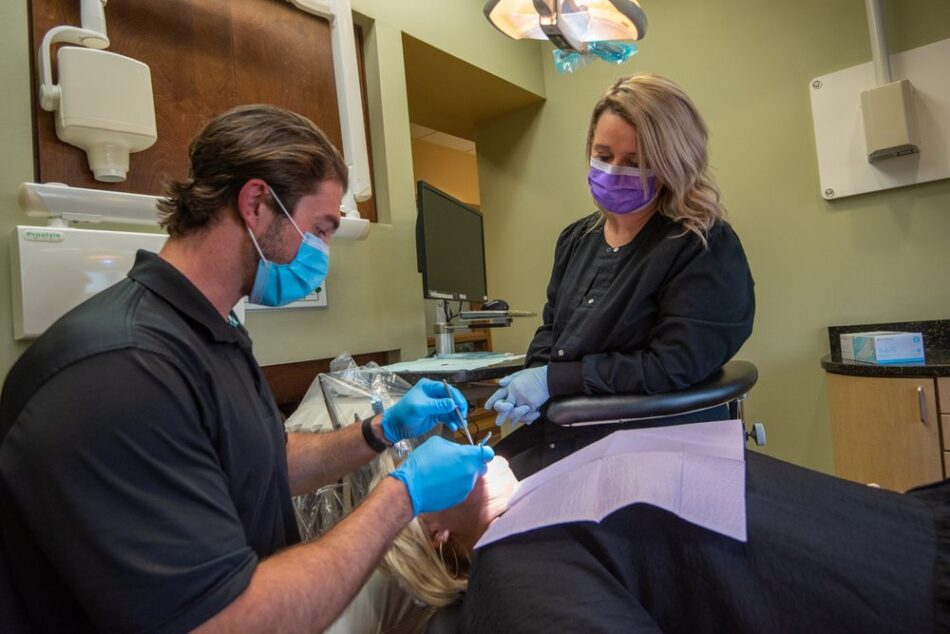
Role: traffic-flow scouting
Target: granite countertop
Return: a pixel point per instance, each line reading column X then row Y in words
column 936, row 351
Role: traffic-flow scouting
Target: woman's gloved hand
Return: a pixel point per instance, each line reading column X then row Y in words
column 520, row 396
column 422, row 408
column 440, row 473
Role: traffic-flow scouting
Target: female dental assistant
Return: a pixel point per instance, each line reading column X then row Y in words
column 652, row 292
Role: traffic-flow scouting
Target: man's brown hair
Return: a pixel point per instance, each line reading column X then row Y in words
column 284, row 148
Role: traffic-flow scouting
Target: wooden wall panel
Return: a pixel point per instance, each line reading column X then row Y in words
column 283, row 56
column 205, row 56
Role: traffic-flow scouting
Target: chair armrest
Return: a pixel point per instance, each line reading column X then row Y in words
column 725, row 385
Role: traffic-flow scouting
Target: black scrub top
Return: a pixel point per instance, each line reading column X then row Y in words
column 143, row 468
column 658, row 314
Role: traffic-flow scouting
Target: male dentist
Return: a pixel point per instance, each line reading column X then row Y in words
column 145, row 475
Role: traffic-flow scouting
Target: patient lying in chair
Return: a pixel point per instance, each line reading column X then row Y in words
column 822, row 554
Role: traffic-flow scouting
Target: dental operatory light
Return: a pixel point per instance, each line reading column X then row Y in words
column 570, row 24
column 581, row 30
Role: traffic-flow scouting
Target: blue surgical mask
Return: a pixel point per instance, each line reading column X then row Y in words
column 279, row 284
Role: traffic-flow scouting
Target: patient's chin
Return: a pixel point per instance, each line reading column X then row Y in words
column 499, row 485
column 469, row 519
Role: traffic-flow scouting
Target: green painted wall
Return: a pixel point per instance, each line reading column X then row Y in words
column 872, row 258
column 16, row 154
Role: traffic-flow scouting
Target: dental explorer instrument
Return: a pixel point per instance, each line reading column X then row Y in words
column 463, row 422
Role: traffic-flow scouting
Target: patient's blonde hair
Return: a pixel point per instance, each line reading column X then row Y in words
column 436, row 576
column 671, row 139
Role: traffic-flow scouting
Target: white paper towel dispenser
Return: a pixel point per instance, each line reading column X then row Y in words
column 55, row 269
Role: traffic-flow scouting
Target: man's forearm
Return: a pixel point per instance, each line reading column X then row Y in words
column 314, row 460
column 305, row 588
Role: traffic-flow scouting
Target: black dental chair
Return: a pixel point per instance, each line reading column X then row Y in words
column 728, row 386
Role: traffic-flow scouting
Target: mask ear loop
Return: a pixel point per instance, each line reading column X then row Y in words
column 251, row 233
column 644, row 179
column 254, row 242
column 284, row 209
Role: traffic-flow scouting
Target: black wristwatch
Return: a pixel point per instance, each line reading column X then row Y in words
column 374, row 443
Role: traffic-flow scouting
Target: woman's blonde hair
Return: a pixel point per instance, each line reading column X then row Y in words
column 671, row 139
column 436, row 576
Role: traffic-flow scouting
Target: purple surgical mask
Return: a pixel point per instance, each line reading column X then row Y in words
column 619, row 189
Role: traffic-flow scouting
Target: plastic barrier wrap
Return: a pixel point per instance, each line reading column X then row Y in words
column 344, row 396
column 612, row 52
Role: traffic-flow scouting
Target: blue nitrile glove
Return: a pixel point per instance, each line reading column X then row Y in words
column 520, row 396
column 422, row 408
column 440, row 473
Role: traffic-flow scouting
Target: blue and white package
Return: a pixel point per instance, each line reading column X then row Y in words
column 883, row 347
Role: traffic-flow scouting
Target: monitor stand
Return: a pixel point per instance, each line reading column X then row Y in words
column 444, row 337
column 444, row 331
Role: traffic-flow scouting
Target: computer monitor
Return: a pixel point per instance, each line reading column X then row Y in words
column 450, row 247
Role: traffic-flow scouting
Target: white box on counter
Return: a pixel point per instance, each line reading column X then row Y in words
column 883, row 347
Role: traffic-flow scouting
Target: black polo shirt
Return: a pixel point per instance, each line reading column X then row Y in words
column 658, row 314
column 143, row 466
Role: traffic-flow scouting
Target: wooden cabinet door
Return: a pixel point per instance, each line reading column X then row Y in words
column 885, row 430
